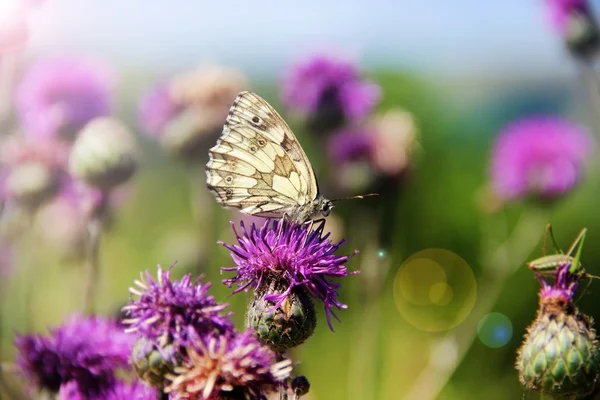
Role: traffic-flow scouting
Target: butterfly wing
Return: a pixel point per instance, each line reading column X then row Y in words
column 257, row 164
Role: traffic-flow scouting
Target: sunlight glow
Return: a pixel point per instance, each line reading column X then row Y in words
column 10, row 10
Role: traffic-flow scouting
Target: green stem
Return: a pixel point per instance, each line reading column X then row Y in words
column 95, row 225
column 592, row 85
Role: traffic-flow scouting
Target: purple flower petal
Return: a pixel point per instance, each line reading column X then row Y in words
column 296, row 255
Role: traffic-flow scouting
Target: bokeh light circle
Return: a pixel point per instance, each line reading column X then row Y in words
column 435, row 290
column 495, row 330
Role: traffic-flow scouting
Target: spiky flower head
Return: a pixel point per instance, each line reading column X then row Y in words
column 186, row 112
column 560, row 354
column 231, row 367
column 540, row 156
column 166, row 309
column 329, row 90
column 394, row 141
column 58, row 96
column 85, row 350
column 104, row 154
column 294, row 254
column 212, row 87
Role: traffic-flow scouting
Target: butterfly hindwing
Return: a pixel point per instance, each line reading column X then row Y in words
column 258, row 165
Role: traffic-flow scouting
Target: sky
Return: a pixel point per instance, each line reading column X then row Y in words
column 433, row 36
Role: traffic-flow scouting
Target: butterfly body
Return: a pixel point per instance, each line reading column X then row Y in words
column 259, row 167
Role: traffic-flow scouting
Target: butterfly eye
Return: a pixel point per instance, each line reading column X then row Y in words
column 326, row 208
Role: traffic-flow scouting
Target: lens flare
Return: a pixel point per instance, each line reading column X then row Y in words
column 495, row 330
column 435, row 290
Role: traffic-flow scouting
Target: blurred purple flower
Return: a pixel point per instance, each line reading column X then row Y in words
column 119, row 391
column 84, row 350
column 561, row 9
column 542, row 156
column 165, row 310
column 58, row 96
column 238, row 365
column 326, row 82
column 136, row 390
column 156, row 109
column 349, row 144
column 297, row 256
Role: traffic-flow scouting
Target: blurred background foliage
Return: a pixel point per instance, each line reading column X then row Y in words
column 374, row 352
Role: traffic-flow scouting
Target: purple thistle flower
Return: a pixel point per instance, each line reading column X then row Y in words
column 166, row 310
column 58, row 96
column 298, row 257
column 238, row 365
column 565, row 284
column 84, row 350
column 323, row 81
column 156, row 109
column 542, row 155
column 349, row 145
column 561, row 9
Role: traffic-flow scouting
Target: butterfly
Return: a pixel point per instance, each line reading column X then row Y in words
column 259, row 167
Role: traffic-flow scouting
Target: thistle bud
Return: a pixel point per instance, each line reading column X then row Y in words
column 31, row 184
column 581, row 32
column 104, row 154
column 300, row 386
column 560, row 354
column 282, row 326
column 187, row 135
column 151, row 363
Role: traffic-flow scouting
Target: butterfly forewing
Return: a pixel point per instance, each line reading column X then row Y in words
column 257, row 164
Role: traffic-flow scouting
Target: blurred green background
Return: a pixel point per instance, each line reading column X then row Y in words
column 374, row 353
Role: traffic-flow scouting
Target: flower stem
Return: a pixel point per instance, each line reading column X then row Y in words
column 592, row 85
column 498, row 266
column 95, row 224
column 162, row 395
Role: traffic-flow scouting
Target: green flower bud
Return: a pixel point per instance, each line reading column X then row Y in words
column 150, row 364
column 288, row 325
column 188, row 135
column 560, row 353
column 31, row 184
column 104, row 154
column 300, row 386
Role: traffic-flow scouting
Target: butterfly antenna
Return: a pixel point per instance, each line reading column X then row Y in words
column 362, row 196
